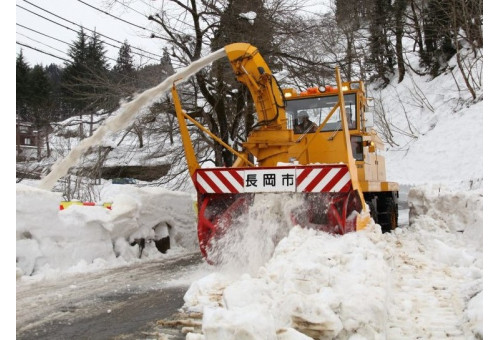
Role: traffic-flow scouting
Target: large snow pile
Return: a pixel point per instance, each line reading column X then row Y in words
column 362, row 285
column 86, row 237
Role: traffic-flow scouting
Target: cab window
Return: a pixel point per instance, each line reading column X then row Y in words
column 317, row 110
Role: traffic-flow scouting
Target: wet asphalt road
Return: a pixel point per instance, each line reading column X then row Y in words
column 122, row 303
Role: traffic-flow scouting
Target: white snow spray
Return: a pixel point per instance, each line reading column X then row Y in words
column 250, row 240
column 123, row 119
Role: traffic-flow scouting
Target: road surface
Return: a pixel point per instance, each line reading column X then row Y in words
column 120, row 303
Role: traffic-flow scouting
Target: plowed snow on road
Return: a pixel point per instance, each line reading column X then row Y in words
column 422, row 281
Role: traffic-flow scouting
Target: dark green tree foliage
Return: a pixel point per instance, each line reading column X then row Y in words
column 73, row 75
column 166, row 62
column 446, row 24
column 22, row 86
column 124, row 63
column 40, row 91
column 85, row 78
column 33, row 93
column 381, row 58
column 96, row 56
column 41, row 103
column 124, row 75
column 58, row 106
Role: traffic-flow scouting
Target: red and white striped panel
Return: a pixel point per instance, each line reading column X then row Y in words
column 223, row 181
column 335, row 178
column 323, row 179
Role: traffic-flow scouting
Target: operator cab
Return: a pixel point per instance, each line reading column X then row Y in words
column 317, row 104
column 317, row 109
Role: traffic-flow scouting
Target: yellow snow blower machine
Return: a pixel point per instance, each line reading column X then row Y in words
column 316, row 143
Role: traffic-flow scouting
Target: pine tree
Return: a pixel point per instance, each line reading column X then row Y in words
column 40, row 102
column 22, row 86
column 96, row 55
column 84, row 80
column 124, row 62
column 58, row 107
column 74, row 72
column 40, row 91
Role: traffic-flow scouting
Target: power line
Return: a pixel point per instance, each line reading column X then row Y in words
column 123, row 4
column 65, row 53
column 41, row 16
column 173, row 29
column 41, row 43
column 118, row 18
column 113, row 16
column 73, row 23
column 46, row 18
column 17, row 42
column 48, row 36
column 105, row 42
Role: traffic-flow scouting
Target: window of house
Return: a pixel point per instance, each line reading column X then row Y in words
column 27, row 141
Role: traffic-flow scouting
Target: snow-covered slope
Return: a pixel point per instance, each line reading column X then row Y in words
column 436, row 129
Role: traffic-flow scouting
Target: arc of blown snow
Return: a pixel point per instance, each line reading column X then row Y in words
column 123, row 119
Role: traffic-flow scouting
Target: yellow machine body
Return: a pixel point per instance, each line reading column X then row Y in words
column 339, row 136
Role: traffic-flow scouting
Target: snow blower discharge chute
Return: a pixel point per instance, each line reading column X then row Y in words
column 316, row 143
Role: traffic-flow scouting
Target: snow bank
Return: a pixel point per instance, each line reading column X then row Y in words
column 90, row 237
column 361, row 285
column 456, row 211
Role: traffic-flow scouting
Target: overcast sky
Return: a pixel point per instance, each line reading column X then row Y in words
column 50, row 26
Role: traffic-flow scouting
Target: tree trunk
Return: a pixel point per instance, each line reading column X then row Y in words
column 47, row 144
column 81, row 126
column 38, row 146
column 418, row 30
column 459, row 60
column 400, row 6
column 18, row 140
column 91, row 123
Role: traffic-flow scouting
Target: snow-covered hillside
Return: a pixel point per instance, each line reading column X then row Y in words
column 424, row 280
